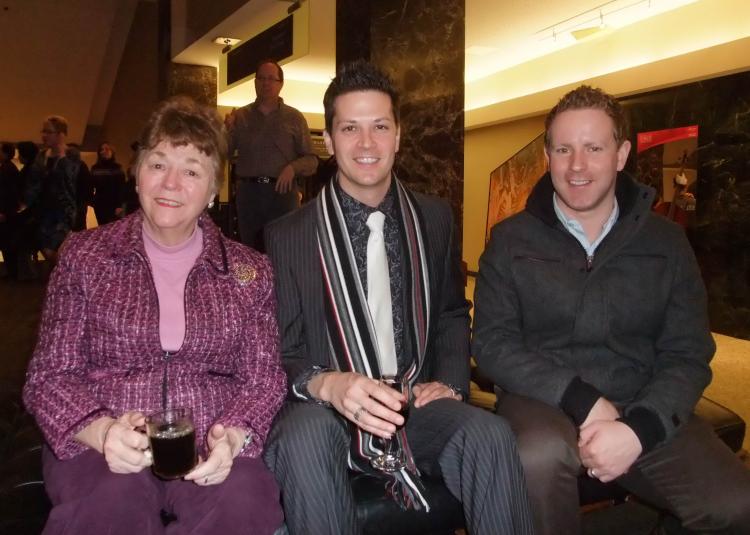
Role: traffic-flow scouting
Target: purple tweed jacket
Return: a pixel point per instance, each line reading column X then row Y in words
column 99, row 352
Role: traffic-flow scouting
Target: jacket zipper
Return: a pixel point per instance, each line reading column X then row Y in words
column 167, row 354
column 164, row 381
column 589, row 257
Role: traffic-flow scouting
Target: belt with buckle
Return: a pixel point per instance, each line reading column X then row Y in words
column 258, row 179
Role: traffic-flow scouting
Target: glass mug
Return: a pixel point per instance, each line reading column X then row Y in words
column 171, row 436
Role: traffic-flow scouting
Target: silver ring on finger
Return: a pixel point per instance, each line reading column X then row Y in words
column 358, row 413
column 592, row 473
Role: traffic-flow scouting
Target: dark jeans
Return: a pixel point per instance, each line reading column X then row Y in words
column 88, row 498
column 695, row 475
column 257, row 205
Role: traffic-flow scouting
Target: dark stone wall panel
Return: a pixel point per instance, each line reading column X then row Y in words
column 721, row 236
column 352, row 30
column 420, row 44
column 196, row 81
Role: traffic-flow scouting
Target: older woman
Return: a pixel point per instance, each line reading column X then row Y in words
column 155, row 310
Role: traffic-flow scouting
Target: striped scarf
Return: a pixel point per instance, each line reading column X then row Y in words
column 351, row 332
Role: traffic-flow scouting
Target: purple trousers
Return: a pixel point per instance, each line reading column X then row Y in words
column 88, row 498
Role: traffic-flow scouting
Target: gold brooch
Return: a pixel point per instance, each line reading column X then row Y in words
column 244, row 273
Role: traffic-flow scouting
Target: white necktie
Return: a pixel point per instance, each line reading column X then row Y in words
column 379, row 294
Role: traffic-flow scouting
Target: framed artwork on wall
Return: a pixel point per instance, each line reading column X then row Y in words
column 511, row 182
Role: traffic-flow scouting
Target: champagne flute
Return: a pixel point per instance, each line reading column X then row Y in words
column 392, row 458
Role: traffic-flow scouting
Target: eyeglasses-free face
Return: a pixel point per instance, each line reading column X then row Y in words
column 49, row 135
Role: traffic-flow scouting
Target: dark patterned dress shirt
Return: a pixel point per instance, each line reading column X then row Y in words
column 355, row 215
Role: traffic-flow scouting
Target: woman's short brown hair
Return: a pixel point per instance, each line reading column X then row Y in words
column 182, row 121
column 587, row 97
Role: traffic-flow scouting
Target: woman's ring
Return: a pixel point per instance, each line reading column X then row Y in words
column 358, row 413
column 592, row 474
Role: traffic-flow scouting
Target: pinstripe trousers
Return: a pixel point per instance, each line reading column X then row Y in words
column 471, row 449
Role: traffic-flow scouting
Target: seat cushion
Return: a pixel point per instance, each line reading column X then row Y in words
column 727, row 424
column 379, row 514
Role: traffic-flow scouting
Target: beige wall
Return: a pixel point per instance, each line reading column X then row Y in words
column 701, row 40
column 135, row 92
column 484, row 150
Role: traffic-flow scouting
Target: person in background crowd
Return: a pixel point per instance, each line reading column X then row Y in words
column 108, row 180
column 273, row 146
column 591, row 317
column 84, row 186
column 57, row 201
column 9, row 202
column 159, row 310
column 128, row 194
column 30, row 186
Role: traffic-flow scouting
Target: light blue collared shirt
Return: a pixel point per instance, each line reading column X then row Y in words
column 576, row 229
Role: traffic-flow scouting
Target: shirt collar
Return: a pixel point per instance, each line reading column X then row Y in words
column 576, row 229
column 353, row 208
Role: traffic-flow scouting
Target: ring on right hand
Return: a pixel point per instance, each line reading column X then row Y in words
column 358, row 413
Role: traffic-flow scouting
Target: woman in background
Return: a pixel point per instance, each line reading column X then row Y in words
column 159, row 310
column 9, row 201
column 29, row 186
column 109, row 182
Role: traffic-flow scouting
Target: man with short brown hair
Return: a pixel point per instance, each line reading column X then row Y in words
column 368, row 285
column 591, row 317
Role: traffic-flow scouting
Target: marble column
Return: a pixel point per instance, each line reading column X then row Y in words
column 196, row 81
column 420, row 44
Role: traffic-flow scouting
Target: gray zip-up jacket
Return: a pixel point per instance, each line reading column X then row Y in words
column 631, row 325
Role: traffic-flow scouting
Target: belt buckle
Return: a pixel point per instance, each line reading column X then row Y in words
column 264, row 180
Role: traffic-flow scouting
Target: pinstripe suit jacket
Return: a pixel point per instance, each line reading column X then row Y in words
column 292, row 244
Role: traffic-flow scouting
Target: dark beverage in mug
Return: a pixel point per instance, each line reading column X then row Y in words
column 403, row 411
column 173, row 449
column 171, row 435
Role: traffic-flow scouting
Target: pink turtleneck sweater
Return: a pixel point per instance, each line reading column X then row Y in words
column 170, row 266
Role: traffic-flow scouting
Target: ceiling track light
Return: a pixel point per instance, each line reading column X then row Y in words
column 607, row 14
column 228, row 43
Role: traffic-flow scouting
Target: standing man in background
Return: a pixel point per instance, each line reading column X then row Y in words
column 58, row 200
column 273, row 146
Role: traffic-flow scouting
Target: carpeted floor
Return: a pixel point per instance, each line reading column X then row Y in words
column 20, row 306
